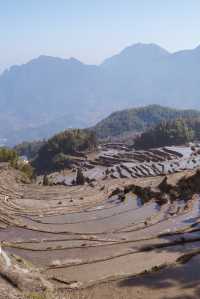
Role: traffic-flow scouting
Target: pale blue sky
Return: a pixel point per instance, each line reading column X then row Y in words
column 92, row 30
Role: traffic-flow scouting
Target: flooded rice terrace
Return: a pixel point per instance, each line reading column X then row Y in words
column 137, row 211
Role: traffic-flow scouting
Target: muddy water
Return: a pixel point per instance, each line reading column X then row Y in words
column 110, row 208
column 77, row 251
column 92, row 226
column 131, row 264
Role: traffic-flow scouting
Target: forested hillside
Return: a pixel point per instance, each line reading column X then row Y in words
column 137, row 120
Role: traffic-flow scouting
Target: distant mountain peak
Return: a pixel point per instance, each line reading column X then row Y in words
column 50, row 59
column 197, row 48
column 146, row 46
column 138, row 51
column 73, row 59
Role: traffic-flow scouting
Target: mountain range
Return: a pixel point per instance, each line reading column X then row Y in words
column 49, row 94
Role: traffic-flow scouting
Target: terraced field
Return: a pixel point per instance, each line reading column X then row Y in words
column 138, row 212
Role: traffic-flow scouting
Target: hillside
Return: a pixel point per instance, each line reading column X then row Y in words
column 136, row 120
column 48, row 94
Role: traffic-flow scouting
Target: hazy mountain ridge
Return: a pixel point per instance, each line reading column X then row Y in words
column 46, row 89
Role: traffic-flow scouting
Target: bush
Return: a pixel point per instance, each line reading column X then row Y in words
column 25, row 168
column 80, row 179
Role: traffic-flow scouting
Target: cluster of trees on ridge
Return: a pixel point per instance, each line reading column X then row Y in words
column 56, row 153
column 175, row 132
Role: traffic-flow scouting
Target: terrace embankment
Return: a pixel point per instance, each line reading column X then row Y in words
column 121, row 231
